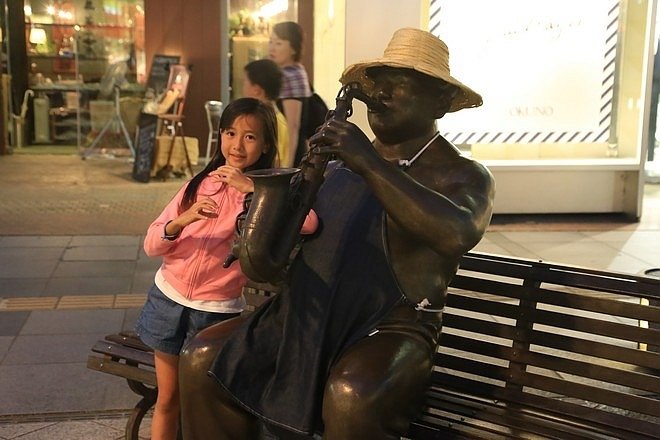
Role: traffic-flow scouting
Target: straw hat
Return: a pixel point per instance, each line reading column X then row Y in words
column 421, row 51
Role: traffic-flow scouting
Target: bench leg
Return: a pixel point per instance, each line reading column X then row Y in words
column 141, row 408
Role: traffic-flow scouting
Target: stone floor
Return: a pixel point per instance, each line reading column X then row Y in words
column 72, row 269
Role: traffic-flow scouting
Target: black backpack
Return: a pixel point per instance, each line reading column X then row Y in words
column 315, row 113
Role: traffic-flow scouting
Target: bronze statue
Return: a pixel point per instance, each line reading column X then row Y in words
column 346, row 348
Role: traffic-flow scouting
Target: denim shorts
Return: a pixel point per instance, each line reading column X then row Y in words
column 166, row 326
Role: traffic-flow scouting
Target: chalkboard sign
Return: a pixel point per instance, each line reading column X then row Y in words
column 144, row 150
column 160, row 72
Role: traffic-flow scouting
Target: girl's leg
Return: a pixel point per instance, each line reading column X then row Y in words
column 165, row 422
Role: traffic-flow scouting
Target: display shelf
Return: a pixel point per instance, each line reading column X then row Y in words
column 56, row 48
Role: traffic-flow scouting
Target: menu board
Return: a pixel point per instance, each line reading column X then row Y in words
column 144, row 149
column 160, row 71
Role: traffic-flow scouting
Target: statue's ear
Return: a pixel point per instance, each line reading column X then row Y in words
column 444, row 100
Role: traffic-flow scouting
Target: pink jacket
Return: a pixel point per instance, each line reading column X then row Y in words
column 192, row 263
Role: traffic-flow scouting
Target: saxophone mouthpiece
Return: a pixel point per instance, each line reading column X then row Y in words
column 375, row 106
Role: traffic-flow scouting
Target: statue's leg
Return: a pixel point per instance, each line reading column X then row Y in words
column 207, row 411
column 377, row 387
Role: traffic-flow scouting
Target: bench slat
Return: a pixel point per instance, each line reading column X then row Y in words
column 470, row 345
column 574, row 276
column 516, row 422
column 554, row 407
column 125, row 353
column 478, row 326
column 626, row 377
column 524, row 420
column 589, row 371
column 129, row 339
column 470, row 285
column 482, row 305
column 615, row 353
column 597, row 327
column 580, row 301
column 445, row 380
column 590, row 393
column 634, row 427
column 106, row 365
column 472, row 366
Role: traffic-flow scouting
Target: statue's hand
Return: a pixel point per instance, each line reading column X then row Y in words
column 346, row 140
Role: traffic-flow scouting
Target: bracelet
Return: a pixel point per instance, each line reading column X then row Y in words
column 169, row 237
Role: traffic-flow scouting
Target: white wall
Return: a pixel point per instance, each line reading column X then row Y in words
column 349, row 31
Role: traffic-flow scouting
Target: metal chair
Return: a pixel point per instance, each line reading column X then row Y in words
column 213, row 113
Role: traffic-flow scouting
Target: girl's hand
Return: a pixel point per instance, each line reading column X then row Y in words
column 200, row 210
column 233, row 177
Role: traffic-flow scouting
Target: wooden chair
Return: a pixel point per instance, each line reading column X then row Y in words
column 213, row 112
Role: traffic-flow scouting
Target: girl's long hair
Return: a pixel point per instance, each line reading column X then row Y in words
column 240, row 107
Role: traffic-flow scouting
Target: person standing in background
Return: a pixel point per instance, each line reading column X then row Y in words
column 263, row 81
column 285, row 49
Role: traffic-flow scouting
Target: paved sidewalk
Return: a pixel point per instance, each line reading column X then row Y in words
column 72, row 269
column 65, row 195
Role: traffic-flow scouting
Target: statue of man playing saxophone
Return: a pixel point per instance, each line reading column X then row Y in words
column 346, row 348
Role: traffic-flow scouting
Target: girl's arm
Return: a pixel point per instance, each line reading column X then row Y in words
column 154, row 244
column 163, row 233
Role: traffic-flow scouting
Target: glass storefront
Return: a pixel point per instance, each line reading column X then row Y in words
column 84, row 37
column 250, row 23
column 566, row 88
column 77, row 53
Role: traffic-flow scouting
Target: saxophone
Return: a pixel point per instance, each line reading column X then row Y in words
column 269, row 229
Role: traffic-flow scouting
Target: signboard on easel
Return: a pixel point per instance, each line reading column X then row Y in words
column 160, row 72
column 159, row 80
column 145, row 145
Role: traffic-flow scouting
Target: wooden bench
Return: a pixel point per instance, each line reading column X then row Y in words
column 528, row 350
column 124, row 355
column 543, row 351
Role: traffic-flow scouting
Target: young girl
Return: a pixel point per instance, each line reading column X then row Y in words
column 194, row 235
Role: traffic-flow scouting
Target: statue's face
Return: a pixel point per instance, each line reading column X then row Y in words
column 413, row 102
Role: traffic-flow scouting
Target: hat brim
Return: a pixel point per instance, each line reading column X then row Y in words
column 465, row 98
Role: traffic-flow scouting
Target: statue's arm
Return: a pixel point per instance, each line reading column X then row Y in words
column 447, row 209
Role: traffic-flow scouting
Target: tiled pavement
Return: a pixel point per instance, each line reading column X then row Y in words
column 72, row 270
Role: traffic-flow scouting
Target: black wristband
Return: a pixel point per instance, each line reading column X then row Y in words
column 169, row 237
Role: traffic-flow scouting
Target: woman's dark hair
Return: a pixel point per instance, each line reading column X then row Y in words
column 267, row 75
column 240, row 107
column 293, row 33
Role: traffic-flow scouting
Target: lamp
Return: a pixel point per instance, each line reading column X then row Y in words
column 38, row 36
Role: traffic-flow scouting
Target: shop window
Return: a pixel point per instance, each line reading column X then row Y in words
column 250, row 22
column 78, row 51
